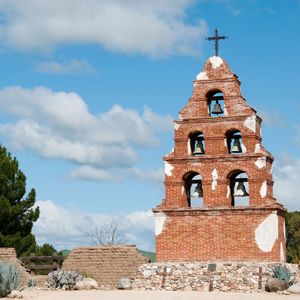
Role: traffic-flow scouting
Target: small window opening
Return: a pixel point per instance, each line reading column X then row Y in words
column 239, row 189
column 197, row 144
column 194, row 190
column 234, row 142
column 216, row 104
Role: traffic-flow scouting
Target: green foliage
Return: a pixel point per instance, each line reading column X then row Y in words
column 17, row 212
column 32, row 283
column 45, row 250
column 63, row 280
column 292, row 221
column 10, row 278
column 150, row 255
column 282, row 272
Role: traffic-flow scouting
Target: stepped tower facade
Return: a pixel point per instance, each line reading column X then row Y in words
column 219, row 203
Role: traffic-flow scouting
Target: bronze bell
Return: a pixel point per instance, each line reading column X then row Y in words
column 241, row 190
column 217, row 110
column 198, row 193
column 236, row 147
column 199, row 149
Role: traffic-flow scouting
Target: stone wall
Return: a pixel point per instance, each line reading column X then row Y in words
column 105, row 264
column 226, row 277
column 10, row 255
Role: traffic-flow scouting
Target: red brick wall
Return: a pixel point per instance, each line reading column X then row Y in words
column 217, row 230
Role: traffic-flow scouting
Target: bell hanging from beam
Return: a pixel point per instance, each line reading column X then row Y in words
column 241, row 190
column 236, row 147
column 198, row 193
column 199, row 149
column 217, row 110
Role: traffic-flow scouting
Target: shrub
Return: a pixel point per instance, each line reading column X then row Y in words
column 63, row 280
column 282, row 272
column 10, row 278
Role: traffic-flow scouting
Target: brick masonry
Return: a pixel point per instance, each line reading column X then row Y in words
column 10, row 255
column 219, row 230
column 105, row 264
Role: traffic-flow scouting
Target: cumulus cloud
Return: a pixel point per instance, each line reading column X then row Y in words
column 67, row 227
column 75, row 66
column 59, row 124
column 287, row 179
column 154, row 27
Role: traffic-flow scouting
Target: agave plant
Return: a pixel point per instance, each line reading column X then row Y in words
column 10, row 278
column 63, row 280
column 282, row 272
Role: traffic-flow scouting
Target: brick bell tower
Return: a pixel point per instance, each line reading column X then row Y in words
column 219, row 203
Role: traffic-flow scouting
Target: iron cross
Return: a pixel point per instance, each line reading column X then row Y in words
column 216, row 38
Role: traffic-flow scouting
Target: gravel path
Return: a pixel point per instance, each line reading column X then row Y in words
column 140, row 295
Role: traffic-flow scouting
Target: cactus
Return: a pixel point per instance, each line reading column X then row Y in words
column 282, row 272
column 10, row 278
column 31, row 283
column 63, row 280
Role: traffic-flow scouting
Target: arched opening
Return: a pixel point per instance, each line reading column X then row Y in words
column 234, row 142
column 193, row 189
column 215, row 101
column 197, row 143
column 239, row 188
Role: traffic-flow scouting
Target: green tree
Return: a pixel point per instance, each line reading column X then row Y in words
column 17, row 212
column 45, row 250
column 292, row 221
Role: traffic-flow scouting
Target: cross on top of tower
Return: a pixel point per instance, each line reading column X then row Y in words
column 216, row 38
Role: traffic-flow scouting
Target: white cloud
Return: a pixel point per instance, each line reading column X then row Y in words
column 58, row 124
column 117, row 174
column 66, row 227
column 271, row 118
column 287, row 179
column 154, row 27
column 74, row 66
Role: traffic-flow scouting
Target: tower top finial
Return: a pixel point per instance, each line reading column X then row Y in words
column 216, row 38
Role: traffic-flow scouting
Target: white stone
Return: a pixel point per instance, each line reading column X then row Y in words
column 261, row 162
column 263, row 189
column 282, row 256
column 257, row 148
column 225, row 142
column 176, row 126
column 168, row 169
column 295, row 288
column 214, row 175
column 159, row 219
column 216, row 61
column 182, row 190
column 202, row 76
column 266, row 233
column 86, row 284
column 250, row 123
column 284, row 232
column 147, row 273
column 124, row 284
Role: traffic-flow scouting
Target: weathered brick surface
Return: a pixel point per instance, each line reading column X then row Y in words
column 10, row 255
column 218, row 230
column 105, row 264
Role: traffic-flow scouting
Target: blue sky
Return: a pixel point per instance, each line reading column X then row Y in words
column 89, row 90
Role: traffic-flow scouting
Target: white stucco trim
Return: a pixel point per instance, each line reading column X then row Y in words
column 263, row 189
column 216, row 61
column 202, row 76
column 160, row 219
column 214, row 175
column 168, row 169
column 266, row 233
column 282, row 256
column 250, row 123
column 261, row 162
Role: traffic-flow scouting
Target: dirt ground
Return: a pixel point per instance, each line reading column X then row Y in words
column 145, row 295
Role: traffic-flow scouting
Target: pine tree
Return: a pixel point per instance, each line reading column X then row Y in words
column 17, row 212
